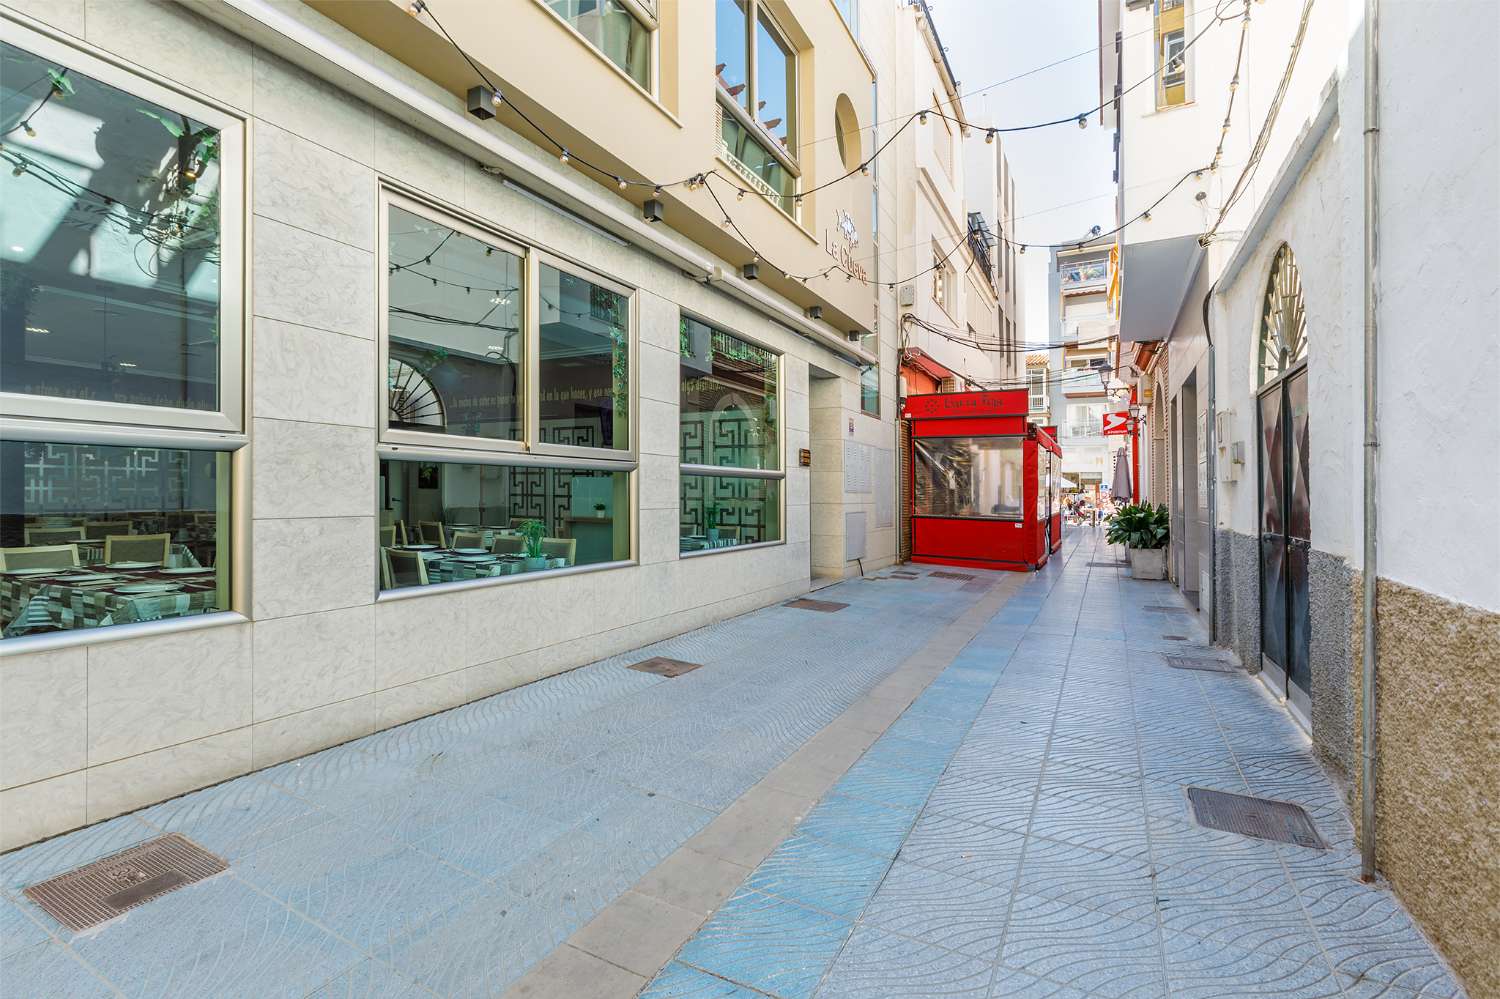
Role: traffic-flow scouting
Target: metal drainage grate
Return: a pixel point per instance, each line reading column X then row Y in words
column 951, row 575
column 662, row 666
column 899, row 574
column 1109, row 565
column 1166, row 609
column 100, row 891
column 1203, row 663
column 1175, row 638
column 976, row 586
column 807, row 603
column 1260, row 818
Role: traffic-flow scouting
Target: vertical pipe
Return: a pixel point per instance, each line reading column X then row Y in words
column 1372, row 441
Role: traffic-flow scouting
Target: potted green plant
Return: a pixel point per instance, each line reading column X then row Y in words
column 711, row 520
column 532, row 532
column 1143, row 529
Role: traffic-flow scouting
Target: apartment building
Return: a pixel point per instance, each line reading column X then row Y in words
column 1078, row 370
column 350, row 375
column 1246, row 323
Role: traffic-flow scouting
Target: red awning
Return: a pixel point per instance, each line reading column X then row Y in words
column 927, row 364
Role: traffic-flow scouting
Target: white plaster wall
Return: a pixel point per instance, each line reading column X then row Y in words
column 94, row 730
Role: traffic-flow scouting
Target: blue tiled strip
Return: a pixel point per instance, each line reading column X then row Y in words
column 781, row 931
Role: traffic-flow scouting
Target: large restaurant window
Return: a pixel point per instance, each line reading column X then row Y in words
column 614, row 30
column 94, row 535
column 120, row 343
column 511, row 371
column 968, row 477
column 444, row 522
column 756, row 69
column 731, row 445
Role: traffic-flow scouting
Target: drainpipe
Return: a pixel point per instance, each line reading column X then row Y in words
column 1372, row 441
column 1213, row 474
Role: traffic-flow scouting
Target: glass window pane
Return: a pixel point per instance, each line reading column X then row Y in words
column 455, row 331
column 445, row 522
column 94, row 535
column 775, row 84
column 109, row 242
column 732, row 50
column 614, row 31
column 869, row 389
column 721, row 511
column 729, row 405
column 585, row 362
column 759, row 161
column 968, row 477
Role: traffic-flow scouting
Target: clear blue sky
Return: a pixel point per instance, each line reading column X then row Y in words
column 992, row 40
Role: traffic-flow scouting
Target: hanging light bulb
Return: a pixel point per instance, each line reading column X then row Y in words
column 30, row 132
column 864, row 168
column 741, row 195
column 922, row 118
column 656, row 191
column 563, row 157
column 416, row 7
column 497, row 99
column 1023, row 249
column 726, row 222
column 989, row 137
column 1146, row 216
column 1083, row 121
column 620, row 183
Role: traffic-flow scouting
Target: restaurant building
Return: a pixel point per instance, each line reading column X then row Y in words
column 347, row 376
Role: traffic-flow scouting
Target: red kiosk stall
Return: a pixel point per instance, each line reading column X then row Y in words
column 985, row 482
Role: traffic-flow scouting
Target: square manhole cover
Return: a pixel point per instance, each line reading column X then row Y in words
column 807, row 603
column 98, row 892
column 662, row 666
column 952, row 575
column 1260, row 818
column 1204, row 663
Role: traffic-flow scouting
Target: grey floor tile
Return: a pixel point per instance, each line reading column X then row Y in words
column 941, row 909
column 876, row 965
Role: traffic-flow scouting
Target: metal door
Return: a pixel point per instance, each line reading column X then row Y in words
column 1285, row 533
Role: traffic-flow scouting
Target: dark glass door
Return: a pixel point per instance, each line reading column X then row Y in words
column 1285, row 538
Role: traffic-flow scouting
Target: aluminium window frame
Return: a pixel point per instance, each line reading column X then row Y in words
column 642, row 16
column 114, row 71
column 529, row 384
column 728, row 471
column 745, row 116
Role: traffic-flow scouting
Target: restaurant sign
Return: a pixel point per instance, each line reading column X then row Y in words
column 947, row 404
column 840, row 242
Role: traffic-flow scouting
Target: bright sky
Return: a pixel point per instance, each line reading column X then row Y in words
column 992, row 40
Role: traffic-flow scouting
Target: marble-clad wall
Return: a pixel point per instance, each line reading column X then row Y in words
column 92, row 730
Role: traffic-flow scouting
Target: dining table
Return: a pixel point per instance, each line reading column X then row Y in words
column 446, row 565
column 92, row 596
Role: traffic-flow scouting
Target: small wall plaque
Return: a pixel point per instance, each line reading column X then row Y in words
column 804, row 457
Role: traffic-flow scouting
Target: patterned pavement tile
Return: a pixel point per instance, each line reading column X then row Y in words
column 236, row 818
column 1209, row 969
column 940, row 909
column 52, row 971
column 489, row 839
column 371, row 979
column 908, row 754
column 18, row 930
column 973, row 851
column 862, row 825
column 889, row 785
column 1111, row 882
column 1083, row 948
column 820, row 875
column 477, row 947
column 983, row 804
column 876, row 965
column 678, row 981
column 1011, row 984
column 767, row 943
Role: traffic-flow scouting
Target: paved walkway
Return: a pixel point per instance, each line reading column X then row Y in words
column 1006, row 756
column 1024, row 830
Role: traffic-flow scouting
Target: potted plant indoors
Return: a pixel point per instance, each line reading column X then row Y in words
column 711, row 520
column 1143, row 529
column 532, row 531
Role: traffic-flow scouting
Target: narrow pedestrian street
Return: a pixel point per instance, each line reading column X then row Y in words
column 958, row 784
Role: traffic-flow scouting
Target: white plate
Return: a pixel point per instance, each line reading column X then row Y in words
column 475, row 558
column 35, row 571
column 131, row 565
column 417, row 548
column 145, row 589
column 88, row 577
column 471, row 551
column 196, row 570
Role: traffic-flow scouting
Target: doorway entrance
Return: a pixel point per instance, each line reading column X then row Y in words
column 1285, row 539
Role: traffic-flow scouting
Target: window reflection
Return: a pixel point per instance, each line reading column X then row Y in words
column 614, row 31
column 722, row 511
column 755, row 157
column 454, row 319
column 775, row 83
column 94, row 535
column 445, row 522
column 729, row 405
column 968, row 477
column 731, row 48
column 109, row 242
column 585, row 362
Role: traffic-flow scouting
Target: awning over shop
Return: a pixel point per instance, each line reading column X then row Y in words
column 927, row 364
column 1157, row 275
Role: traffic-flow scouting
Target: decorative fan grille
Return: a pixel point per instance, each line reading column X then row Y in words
column 1283, row 322
column 412, row 400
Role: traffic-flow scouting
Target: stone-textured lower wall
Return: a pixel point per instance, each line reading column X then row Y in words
column 1332, row 599
column 1437, row 793
column 1237, row 596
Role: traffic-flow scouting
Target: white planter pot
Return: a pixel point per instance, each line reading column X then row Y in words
column 1148, row 563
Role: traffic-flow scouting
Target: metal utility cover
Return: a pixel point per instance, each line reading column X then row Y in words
column 952, row 575
column 662, row 666
column 1166, row 609
column 1110, row 565
column 98, row 892
column 1203, row 663
column 976, row 586
column 1175, row 638
column 807, row 603
column 1260, row 818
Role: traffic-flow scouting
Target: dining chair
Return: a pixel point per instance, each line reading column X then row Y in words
column 152, row 548
column 52, row 535
column 565, row 548
column 430, row 532
column 731, row 534
column 468, row 539
column 105, row 528
column 399, row 568
column 388, row 536
column 39, row 557
column 508, row 544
